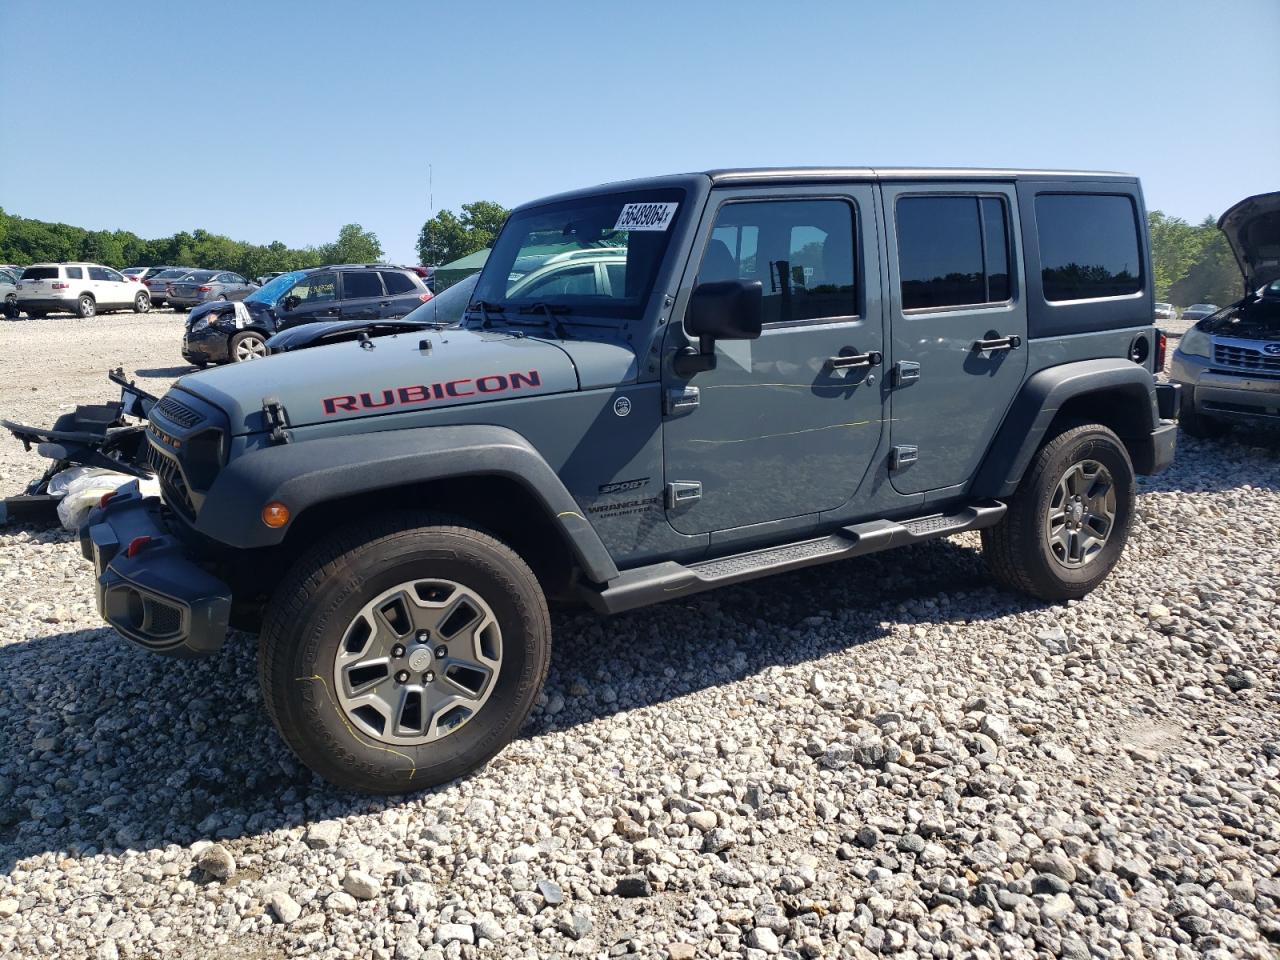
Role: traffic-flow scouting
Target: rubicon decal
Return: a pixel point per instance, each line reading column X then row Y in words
column 493, row 383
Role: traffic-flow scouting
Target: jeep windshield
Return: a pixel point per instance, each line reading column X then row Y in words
column 270, row 292
column 594, row 256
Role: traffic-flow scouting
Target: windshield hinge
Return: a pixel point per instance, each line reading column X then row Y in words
column 277, row 419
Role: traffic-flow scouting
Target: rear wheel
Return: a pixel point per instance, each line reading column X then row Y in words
column 86, row 307
column 141, row 303
column 11, row 306
column 403, row 653
column 1069, row 519
column 248, row 345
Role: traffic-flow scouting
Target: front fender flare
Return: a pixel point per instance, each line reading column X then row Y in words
column 311, row 472
column 1039, row 401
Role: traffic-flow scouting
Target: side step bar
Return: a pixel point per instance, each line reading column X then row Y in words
column 668, row 580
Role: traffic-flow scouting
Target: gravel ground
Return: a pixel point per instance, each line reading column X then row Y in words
column 884, row 756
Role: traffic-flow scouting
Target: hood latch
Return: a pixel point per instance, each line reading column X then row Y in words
column 277, row 419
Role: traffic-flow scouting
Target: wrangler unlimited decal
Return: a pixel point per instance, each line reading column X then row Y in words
column 424, row 392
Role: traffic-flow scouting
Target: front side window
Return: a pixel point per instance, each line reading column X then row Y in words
column 364, row 283
column 801, row 251
column 316, row 286
column 1088, row 246
column 952, row 251
column 548, row 255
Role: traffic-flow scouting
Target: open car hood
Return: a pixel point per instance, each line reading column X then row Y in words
column 1252, row 227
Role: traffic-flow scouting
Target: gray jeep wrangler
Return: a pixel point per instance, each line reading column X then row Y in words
column 659, row 387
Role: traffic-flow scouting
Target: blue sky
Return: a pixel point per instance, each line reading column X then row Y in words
column 279, row 120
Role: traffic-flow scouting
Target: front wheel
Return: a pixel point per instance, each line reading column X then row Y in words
column 248, row 345
column 403, row 652
column 1069, row 519
column 141, row 303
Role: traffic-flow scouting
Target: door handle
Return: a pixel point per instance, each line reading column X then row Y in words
column 997, row 343
column 855, row 360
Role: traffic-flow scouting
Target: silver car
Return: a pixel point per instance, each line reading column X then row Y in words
column 1229, row 363
column 202, row 286
column 158, row 285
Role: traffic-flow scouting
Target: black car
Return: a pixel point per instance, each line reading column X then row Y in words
column 232, row 332
column 444, row 310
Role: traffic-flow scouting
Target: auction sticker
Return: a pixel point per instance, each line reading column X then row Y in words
column 645, row 216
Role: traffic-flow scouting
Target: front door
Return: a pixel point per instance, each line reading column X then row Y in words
column 959, row 322
column 362, row 295
column 314, row 297
column 784, row 426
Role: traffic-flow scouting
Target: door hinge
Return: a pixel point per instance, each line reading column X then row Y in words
column 904, row 372
column 683, row 492
column 903, row 456
column 681, row 400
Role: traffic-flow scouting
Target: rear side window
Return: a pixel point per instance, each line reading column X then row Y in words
column 801, row 251
column 40, row 273
column 363, row 284
column 75, row 273
column 952, row 251
column 398, row 283
column 1088, row 246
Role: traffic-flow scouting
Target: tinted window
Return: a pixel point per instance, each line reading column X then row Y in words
column 1088, row 246
column 40, row 273
column 74, row 273
column 363, row 284
column 316, row 286
column 97, row 273
column 398, row 283
column 117, row 277
column 801, row 251
column 952, row 251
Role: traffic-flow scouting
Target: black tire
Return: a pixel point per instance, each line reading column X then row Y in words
column 309, row 616
column 1017, row 549
column 141, row 303
column 11, row 307
column 86, row 307
column 1201, row 426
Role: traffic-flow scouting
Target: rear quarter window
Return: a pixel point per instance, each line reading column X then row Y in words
column 398, row 283
column 1089, row 247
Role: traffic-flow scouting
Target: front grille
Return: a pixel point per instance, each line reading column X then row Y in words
column 1244, row 358
column 172, row 483
column 175, row 411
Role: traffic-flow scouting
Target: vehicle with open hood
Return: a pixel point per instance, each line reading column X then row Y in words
column 1228, row 364
column 657, row 388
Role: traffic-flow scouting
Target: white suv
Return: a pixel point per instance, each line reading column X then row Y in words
column 80, row 288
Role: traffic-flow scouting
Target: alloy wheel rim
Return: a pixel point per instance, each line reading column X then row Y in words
column 418, row 662
column 1081, row 515
column 251, row 348
column 87, row 307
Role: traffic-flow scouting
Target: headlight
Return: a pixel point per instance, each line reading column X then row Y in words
column 199, row 324
column 1196, row 343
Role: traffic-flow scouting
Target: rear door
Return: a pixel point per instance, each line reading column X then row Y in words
column 362, row 295
column 959, row 326
column 785, row 426
column 239, row 287
column 403, row 295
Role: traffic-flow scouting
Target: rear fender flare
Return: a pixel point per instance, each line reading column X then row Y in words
column 308, row 473
column 1039, row 401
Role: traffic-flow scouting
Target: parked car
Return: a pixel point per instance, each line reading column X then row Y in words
column 1198, row 311
column 9, row 293
column 1165, row 312
column 143, row 274
column 158, row 284
column 790, row 367
column 268, row 277
column 222, row 333
column 207, row 285
column 1229, row 363
column 84, row 289
column 443, row 310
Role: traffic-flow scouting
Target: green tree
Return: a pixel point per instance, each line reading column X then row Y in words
column 447, row 236
column 355, row 244
column 1175, row 248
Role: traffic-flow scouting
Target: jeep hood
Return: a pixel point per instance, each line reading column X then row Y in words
column 1252, row 227
column 346, row 381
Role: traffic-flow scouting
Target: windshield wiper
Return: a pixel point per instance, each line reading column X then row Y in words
column 552, row 312
column 484, row 306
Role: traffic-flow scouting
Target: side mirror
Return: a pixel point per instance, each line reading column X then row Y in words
column 719, row 310
column 291, row 301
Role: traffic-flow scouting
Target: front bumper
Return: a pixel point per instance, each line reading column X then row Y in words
column 159, row 598
column 208, row 345
column 1211, row 390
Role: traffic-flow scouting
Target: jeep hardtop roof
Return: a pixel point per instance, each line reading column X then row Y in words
column 745, row 176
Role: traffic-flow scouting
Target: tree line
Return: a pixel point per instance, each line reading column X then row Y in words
column 1191, row 263
column 24, row 241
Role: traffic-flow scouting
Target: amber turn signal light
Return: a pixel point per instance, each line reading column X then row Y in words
column 275, row 514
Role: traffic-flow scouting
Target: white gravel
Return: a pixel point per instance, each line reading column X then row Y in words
column 885, row 756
